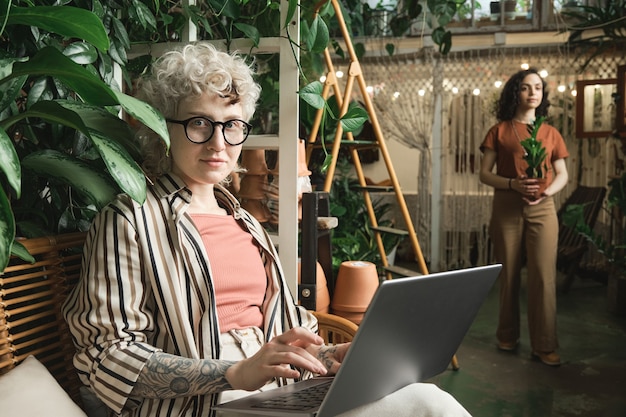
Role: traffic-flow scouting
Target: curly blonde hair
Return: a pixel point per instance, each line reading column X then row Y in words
column 191, row 70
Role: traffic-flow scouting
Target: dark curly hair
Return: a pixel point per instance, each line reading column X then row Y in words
column 509, row 98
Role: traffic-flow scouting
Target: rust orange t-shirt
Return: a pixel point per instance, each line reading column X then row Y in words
column 237, row 271
column 510, row 162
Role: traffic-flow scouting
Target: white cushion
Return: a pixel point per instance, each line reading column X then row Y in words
column 28, row 390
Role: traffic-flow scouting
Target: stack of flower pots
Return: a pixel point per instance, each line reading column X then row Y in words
column 253, row 185
column 304, row 184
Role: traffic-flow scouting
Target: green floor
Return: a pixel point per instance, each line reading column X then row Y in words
column 591, row 382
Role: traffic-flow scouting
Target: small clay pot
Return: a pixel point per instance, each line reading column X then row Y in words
column 356, row 283
column 322, row 296
column 303, row 169
column 543, row 184
column 257, row 208
column 253, row 187
column 253, row 160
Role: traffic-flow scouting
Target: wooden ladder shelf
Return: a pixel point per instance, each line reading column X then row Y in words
column 343, row 100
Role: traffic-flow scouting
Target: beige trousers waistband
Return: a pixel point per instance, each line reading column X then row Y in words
column 237, row 345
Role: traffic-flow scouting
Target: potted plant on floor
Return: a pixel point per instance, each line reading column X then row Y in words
column 614, row 247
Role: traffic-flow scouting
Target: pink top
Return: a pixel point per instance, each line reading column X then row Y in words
column 239, row 277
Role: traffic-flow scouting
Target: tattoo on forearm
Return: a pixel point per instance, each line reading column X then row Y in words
column 170, row 376
column 326, row 356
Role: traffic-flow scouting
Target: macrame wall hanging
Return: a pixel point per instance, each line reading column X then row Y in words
column 468, row 83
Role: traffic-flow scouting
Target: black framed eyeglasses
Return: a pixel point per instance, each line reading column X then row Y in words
column 200, row 129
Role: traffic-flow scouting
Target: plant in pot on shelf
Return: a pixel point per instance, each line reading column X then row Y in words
column 613, row 248
column 509, row 9
column 535, row 155
column 353, row 239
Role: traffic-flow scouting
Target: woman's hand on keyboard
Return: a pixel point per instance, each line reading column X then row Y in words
column 331, row 355
column 277, row 359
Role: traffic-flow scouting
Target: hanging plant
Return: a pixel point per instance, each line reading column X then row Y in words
column 534, row 151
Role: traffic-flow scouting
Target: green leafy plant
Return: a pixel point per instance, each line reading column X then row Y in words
column 614, row 251
column 594, row 29
column 534, row 151
column 64, row 150
column 353, row 239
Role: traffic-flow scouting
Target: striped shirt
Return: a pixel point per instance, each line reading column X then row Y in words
column 146, row 286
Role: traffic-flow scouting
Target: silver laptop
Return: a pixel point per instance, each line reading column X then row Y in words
column 410, row 333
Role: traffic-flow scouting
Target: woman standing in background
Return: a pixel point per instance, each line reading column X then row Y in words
column 524, row 225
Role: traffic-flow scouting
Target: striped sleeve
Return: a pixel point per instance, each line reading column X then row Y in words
column 109, row 312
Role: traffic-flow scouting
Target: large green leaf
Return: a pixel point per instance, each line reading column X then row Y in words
column 81, row 53
column 92, row 184
column 105, row 122
column 291, row 11
column 20, row 250
column 354, row 119
column 312, row 94
column 7, row 229
column 317, row 36
column 250, row 32
column 121, row 167
column 50, row 62
column 144, row 15
column 10, row 162
column 71, row 22
column 11, row 89
column 145, row 113
column 52, row 112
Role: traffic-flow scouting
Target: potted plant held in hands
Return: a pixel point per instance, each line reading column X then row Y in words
column 535, row 156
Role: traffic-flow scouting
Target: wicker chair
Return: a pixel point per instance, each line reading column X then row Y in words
column 31, row 322
column 31, row 296
column 335, row 329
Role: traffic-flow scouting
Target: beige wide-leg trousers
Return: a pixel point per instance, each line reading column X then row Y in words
column 521, row 232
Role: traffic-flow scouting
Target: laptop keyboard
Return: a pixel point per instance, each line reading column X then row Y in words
column 304, row 399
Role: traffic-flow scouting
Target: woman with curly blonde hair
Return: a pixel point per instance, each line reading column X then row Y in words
column 182, row 302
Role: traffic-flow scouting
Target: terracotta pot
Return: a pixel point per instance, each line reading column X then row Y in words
column 303, row 169
column 253, row 160
column 253, row 187
column 235, row 183
column 322, row 296
column 257, row 208
column 543, row 184
column 356, row 283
